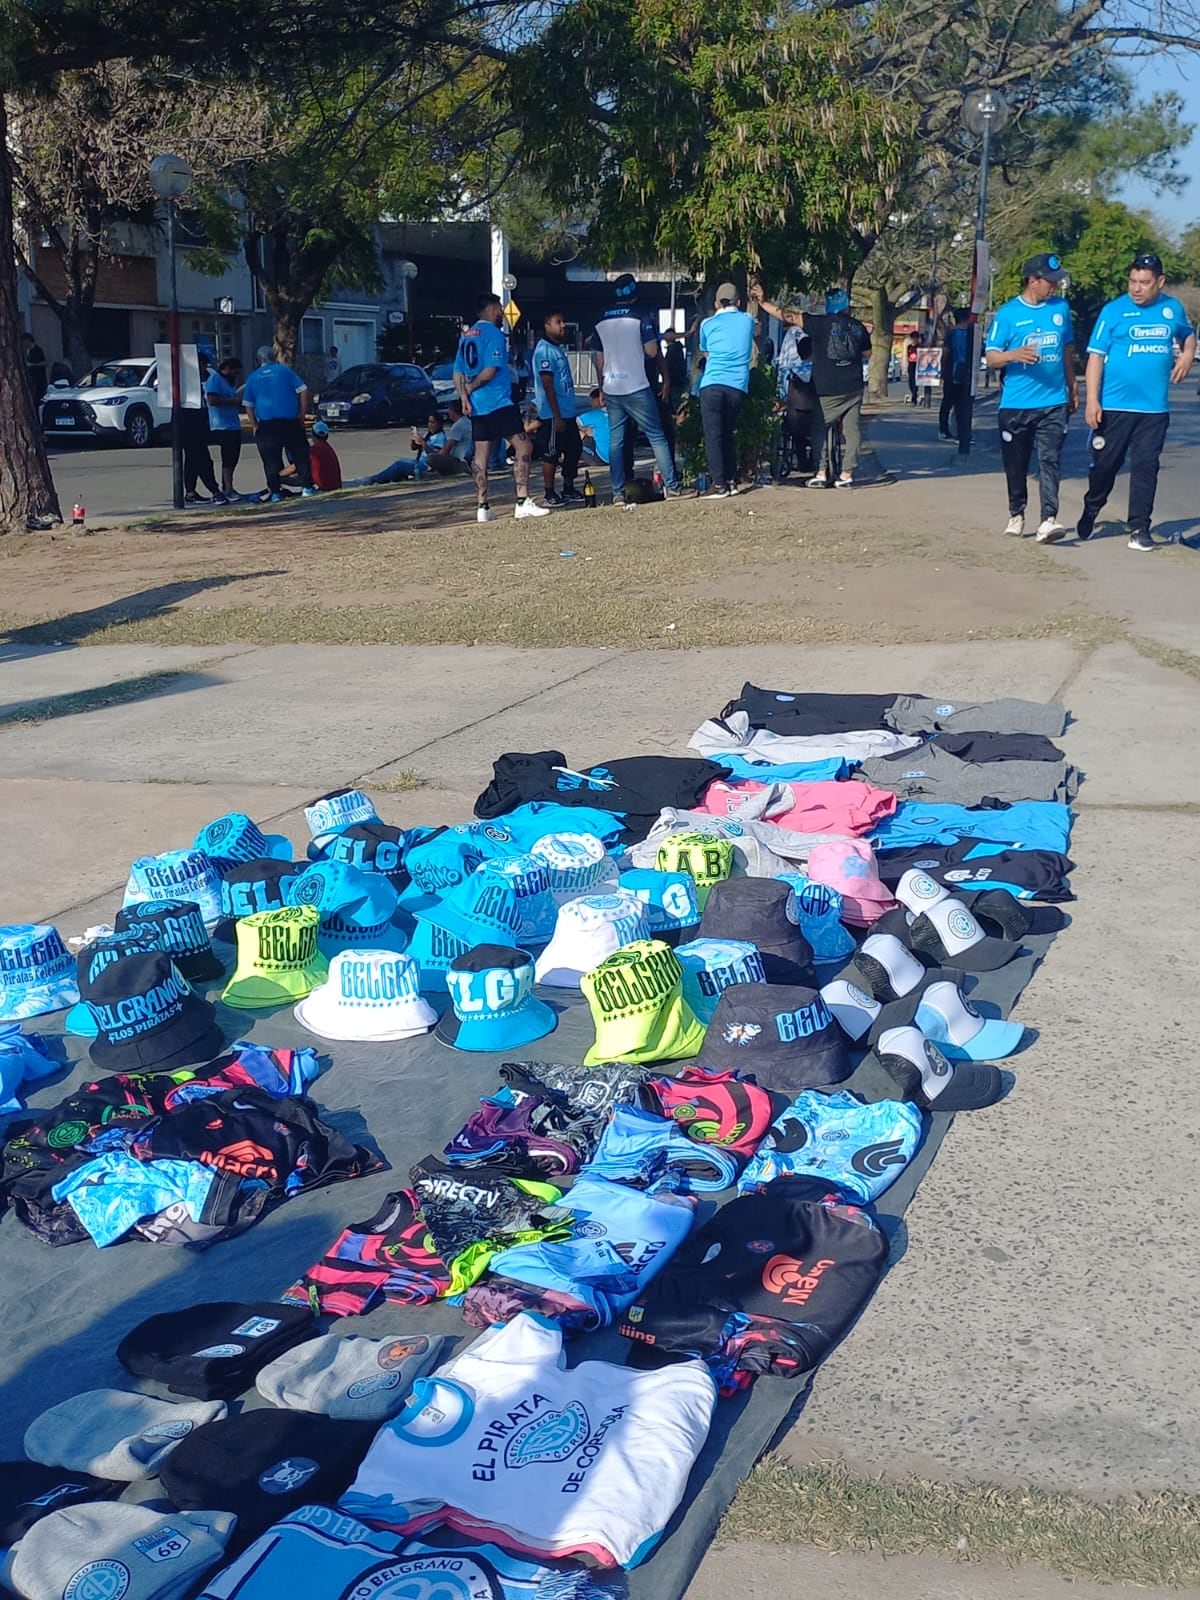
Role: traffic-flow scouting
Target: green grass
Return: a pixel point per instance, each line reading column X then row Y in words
column 1153, row 1539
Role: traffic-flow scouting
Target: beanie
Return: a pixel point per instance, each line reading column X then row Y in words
column 358, row 1380
column 113, row 1434
column 212, row 1352
column 28, row 1493
column 114, row 1549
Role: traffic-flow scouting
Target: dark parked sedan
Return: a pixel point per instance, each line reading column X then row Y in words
column 378, row 396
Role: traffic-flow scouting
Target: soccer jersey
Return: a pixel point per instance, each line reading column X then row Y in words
column 1138, row 346
column 505, row 1444
column 550, row 359
column 482, row 346
column 1026, row 825
column 858, row 1147
column 1048, row 328
column 621, row 337
column 727, row 339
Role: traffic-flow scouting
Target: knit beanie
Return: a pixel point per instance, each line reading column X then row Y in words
column 359, row 1380
column 113, row 1434
column 113, row 1550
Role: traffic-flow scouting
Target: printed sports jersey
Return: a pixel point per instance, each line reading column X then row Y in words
column 715, row 1108
column 1047, row 327
column 482, row 346
column 640, row 1147
column 621, row 336
column 505, row 1444
column 390, row 1256
column 727, row 339
column 1025, row 825
column 1138, row 346
column 551, row 359
column 1028, row 874
column 861, row 1149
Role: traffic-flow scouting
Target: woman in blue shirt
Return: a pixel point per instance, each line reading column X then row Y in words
column 727, row 343
column 225, row 419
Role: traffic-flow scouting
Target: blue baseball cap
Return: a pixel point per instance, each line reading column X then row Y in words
column 92, row 960
column 711, row 965
column 945, row 1015
column 670, row 900
column 494, row 1006
column 820, row 911
column 37, row 971
column 234, row 837
column 177, row 875
column 330, row 813
column 527, row 877
column 356, row 908
column 836, row 300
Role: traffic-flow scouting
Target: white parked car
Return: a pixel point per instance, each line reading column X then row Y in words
column 118, row 400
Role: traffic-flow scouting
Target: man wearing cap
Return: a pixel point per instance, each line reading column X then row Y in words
column 1032, row 342
column 1132, row 363
column 727, row 341
column 623, row 343
column 485, row 391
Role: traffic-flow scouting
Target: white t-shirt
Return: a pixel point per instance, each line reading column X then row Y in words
column 458, row 437
column 504, row 1444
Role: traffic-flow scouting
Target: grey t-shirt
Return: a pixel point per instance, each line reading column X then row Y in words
column 458, row 437
column 935, row 776
column 918, row 713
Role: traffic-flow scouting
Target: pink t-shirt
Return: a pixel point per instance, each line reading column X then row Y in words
column 849, row 807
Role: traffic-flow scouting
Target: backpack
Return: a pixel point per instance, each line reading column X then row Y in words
column 844, row 345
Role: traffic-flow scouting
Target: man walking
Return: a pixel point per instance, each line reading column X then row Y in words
column 623, row 343
column 956, row 382
column 276, row 401
column 727, row 340
column 558, row 439
column 1131, row 365
column 840, row 344
column 1032, row 341
column 485, row 389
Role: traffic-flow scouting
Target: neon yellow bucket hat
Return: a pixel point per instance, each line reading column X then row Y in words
column 638, row 1009
column 278, row 961
column 706, row 859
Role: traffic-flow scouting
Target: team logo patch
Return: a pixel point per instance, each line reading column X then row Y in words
column 945, row 711
column 219, row 1350
column 548, row 1438
column 169, row 1430
column 375, row 1385
column 938, row 1064
column 216, row 831
column 962, row 924
column 99, row 1580
column 397, row 1351
column 742, row 1032
column 285, row 1477
column 66, row 1135
column 308, row 891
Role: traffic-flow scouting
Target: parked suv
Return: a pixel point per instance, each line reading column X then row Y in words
column 378, row 396
column 118, row 400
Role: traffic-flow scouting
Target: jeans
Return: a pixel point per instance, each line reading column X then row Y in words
column 638, row 410
column 847, row 408
column 1020, row 431
column 1140, row 435
column 272, row 436
column 720, row 407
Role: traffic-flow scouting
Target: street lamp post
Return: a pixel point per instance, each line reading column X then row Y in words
column 171, row 178
column 985, row 111
column 408, row 271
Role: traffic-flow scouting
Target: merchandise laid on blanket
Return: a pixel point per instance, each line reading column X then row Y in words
column 777, row 943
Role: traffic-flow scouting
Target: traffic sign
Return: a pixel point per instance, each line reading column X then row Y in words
column 512, row 313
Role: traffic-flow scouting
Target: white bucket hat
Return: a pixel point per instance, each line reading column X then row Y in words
column 372, row 995
column 588, row 931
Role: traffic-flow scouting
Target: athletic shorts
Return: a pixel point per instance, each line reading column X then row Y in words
column 492, row 425
column 549, row 441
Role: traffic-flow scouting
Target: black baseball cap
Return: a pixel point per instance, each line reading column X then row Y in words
column 924, row 1075
column 1000, row 912
column 761, row 912
column 1147, row 262
column 626, row 287
column 1044, row 266
column 782, row 1035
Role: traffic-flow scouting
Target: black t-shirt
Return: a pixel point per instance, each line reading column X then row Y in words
column 839, row 344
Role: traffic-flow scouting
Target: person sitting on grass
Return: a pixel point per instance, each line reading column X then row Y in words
column 450, row 460
column 326, row 468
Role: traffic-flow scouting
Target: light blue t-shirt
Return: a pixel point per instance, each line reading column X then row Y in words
column 1138, row 346
column 596, row 418
column 1049, row 327
column 271, row 392
column 727, row 339
column 552, row 358
column 1025, row 825
column 222, row 419
column 482, row 346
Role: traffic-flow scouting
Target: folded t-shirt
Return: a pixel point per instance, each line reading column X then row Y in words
column 850, row 808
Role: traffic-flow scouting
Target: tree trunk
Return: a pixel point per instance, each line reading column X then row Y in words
column 26, row 487
column 289, row 314
column 883, row 316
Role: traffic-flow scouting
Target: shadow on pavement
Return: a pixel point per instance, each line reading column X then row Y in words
column 76, row 625
column 74, row 702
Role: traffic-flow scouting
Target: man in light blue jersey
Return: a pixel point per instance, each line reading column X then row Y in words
column 557, row 440
column 482, row 379
column 1032, row 342
column 727, row 340
column 1142, row 343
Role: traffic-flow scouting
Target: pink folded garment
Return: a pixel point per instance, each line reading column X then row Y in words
column 849, row 867
column 850, row 807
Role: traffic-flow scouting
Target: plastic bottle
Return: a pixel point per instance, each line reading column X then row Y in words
column 78, row 515
column 589, row 492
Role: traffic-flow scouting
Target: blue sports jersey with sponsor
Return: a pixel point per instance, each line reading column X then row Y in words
column 859, row 1148
column 1138, row 346
column 550, row 359
column 1025, row 825
column 1049, row 329
column 727, row 339
column 482, row 346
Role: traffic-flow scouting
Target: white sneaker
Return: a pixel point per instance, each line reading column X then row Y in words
column 530, row 508
column 1050, row 531
column 1015, row 526
column 484, row 514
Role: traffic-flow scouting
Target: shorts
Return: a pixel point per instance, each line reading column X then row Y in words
column 230, row 444
column 493, row 425
column 548, row 442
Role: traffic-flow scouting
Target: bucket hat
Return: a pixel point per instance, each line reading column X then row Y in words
column 577, row 864
column 820, row 910
column 253, row 886
column 589, row 929
column 371, row 847
column 494, row 1006
column 476, row 910
column 234, row 837
column 37, row 971
column 669, row 899
column 369, row 995
column 148, row 1017
column 355, row 908
column 330, row 813
column 277, row 959
column 177, row 875
column 93, row 958
column 445, row 857
column 711, row 965
column 176, row 926
column 638, row 1009
column 782, row 1035
column 848, row 865
column 706, row 860
column 529, row 881
column 761, row 911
